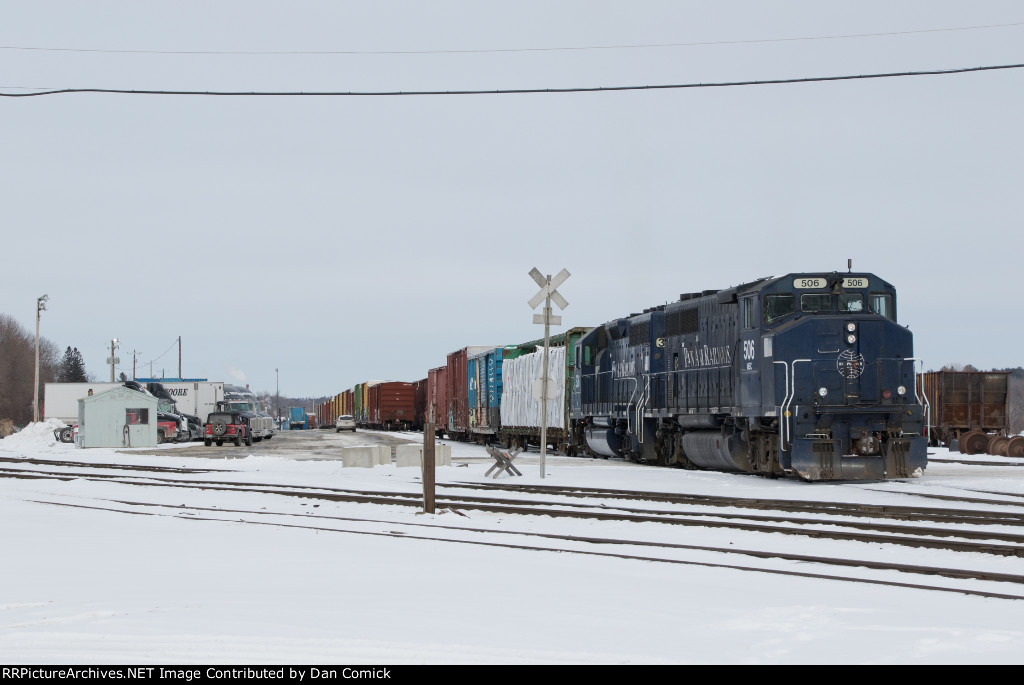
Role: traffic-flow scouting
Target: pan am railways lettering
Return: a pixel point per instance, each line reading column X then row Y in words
column 694, row 357
column 706, row 356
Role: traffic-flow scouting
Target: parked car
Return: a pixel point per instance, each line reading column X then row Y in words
column 345, row 423
column 221, row 426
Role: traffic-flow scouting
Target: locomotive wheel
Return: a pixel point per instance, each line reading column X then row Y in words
column 997, row 445
column 974, row 442
column 1015, row 447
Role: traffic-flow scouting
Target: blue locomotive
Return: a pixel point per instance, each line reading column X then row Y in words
column 806, row 374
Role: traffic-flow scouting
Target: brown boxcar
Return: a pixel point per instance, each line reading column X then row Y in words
column 420, row 404
column 390, row 405
column 968, row 407
column 458, row 390
column 437, row 399
column 348, row 403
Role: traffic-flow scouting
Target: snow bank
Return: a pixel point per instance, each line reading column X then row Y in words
column 33, row 437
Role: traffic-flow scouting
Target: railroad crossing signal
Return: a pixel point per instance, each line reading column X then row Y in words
column 542, row 387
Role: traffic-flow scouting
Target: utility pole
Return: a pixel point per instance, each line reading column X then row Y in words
column 113, row 360
column 179, row 357
column 277, row 382
column 40, row 307
column 546, row 294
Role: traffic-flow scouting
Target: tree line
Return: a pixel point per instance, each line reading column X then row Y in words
column 17, row 369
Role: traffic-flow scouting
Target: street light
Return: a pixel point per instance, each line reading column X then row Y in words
column 40, row 307
column 277, row 381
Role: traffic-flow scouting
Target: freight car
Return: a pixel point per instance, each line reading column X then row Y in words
column 521, row 369
column 420, row 404
column 457, row 391
column 437, row 399
column 968, row 411
column 390, row 405
column 807, row 374
column 484, row 373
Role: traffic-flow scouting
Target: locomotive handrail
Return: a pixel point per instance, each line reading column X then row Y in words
column 789, row 372
column 791, row 396
column 602, row 373
column 785, row 377
column 683, row 373
column 927, row 404
column 640, row 408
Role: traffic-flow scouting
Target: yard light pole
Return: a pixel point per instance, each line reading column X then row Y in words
column 40, row 307
column 114, row 360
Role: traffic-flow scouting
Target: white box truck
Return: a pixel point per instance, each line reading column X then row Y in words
column 60, row 400
column 194, row 397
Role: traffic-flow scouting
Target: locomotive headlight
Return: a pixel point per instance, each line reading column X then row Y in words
column 901, row 390
column 822, row 391
column 851, row 338
column 851, row 327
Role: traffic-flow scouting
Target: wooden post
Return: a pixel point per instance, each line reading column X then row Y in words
column 428, row 468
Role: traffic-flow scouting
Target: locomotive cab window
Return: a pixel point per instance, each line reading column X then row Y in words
column 851, row 302
column 777, row 307
column 881, row 303
column 815, row 302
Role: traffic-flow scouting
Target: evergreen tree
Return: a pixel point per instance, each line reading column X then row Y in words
column 72, row 367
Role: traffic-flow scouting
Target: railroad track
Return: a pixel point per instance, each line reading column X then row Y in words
column 963, row 530
column 974, row 462
column 432, row 533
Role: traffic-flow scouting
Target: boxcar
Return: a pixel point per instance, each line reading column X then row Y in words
column 390, row 405
column 484, row 393
column 437, row 399
column 419, row 404
column 458, row 389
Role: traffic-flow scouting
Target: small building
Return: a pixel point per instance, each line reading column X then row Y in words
column 117, row 417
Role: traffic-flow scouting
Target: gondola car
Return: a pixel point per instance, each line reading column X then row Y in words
column 806, row 374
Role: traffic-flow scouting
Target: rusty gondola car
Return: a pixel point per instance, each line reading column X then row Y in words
column 968, row 412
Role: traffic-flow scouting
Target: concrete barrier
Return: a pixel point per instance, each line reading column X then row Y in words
column 361, row 457
column 366, row 456
column 412, row 455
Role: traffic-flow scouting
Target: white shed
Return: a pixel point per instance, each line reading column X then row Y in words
column 118, row 417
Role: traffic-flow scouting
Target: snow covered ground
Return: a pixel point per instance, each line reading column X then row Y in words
column 96, row 571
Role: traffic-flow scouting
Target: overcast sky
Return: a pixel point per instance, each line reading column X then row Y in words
column 342, row 239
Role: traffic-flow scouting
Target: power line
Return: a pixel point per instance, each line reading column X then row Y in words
column 515, row 91
column 500, row 50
